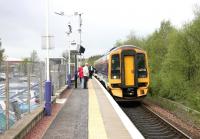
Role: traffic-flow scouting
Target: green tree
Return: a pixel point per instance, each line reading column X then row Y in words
column 34, row 56
column 133, row 39
column 1, row 52
column 92, row 59
column 157, row 46
column 181, row 68
column 118, row 43
column 34, row 59
column 24, row 66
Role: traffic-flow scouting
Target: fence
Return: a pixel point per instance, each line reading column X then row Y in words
column 22, row 88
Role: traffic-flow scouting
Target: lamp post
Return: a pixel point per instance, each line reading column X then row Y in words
column 47, row 82
column 80, row 24
column 79, row 30
column 76, row 58
column 69, row 60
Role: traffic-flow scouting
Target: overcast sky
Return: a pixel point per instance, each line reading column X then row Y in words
column 22, row 22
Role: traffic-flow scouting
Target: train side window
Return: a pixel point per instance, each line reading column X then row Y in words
column 115, row 67
column 141, row 63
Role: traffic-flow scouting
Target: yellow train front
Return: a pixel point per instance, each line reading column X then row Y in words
column 124, row 72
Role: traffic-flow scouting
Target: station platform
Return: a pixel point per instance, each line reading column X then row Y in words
column 85, row 114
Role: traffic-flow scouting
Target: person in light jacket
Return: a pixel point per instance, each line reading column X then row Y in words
column 85, row 75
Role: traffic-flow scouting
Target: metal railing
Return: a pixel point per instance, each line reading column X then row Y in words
column 22, row 89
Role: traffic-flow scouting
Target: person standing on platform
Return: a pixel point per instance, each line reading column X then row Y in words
column 91, row 70
column 85, row 75
column 80, row 75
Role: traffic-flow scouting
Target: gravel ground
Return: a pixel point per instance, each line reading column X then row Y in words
column 189, row 129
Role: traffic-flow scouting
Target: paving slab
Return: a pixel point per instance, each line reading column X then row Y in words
column 112, row 123
column 72, row 121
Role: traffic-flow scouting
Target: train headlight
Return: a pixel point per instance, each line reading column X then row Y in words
column 142, row 84
column 115, row 85
column 142, row 73
column 115, row 77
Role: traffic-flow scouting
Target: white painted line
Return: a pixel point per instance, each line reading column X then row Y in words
column 133, row 131
column 61, row 101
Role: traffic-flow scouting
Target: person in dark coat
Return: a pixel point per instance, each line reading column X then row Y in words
column 91, row 71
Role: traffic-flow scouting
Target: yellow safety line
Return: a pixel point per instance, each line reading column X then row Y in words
column 96, row 129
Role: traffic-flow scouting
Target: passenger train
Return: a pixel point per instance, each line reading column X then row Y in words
column 124, row 72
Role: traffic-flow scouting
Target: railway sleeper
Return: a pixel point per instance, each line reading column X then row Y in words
column 157, row 128
column 163, row 137
column 147, row 123
column 168, row 135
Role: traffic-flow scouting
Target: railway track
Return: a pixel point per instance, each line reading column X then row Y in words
column 150, row 124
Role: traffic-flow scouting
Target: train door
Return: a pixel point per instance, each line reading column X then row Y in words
column 115, row 67
column 115, row 74
column 129, row 70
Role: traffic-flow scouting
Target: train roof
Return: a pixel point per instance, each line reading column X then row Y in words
column 124, row 46
column 117, row 48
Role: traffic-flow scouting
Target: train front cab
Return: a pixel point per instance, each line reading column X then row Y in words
column 128, row 74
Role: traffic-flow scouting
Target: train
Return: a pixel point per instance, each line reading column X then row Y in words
column 124, row 72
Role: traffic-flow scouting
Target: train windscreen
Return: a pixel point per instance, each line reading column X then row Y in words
column 115, row 66
column 141, row 65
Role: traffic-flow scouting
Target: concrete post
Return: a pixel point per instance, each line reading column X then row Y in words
column 7, row 96
column 48, row 98
column 29, row 88
column 48, row 82
column 76, row 71
column 40, row 85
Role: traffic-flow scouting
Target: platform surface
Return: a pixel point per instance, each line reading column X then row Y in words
column 113, row 125
column 72, row 121
column 87, row 114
